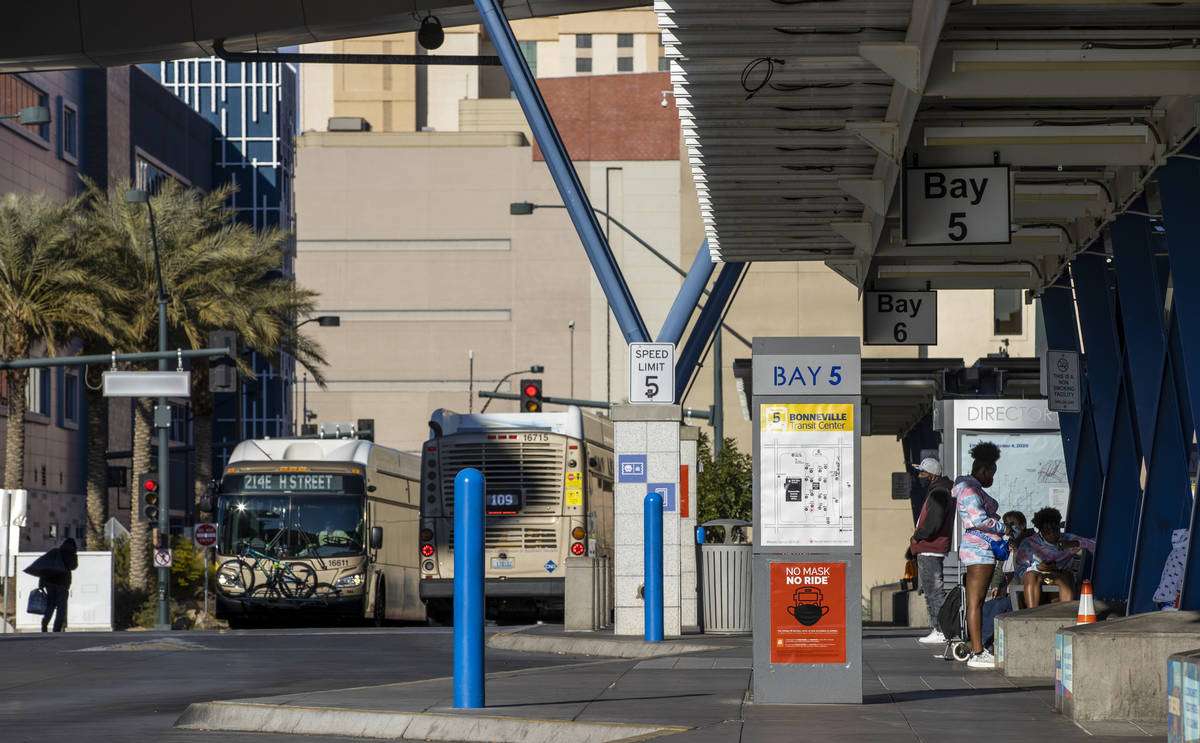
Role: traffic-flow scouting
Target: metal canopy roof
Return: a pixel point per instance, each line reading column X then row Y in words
column 798, row 115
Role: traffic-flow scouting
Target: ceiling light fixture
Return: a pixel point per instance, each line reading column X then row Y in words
column 940, row 136
column 430, row 35
column 1075, row 60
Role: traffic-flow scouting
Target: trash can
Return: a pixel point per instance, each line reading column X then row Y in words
column 725, row 580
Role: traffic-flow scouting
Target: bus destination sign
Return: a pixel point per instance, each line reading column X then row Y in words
column 291, row 482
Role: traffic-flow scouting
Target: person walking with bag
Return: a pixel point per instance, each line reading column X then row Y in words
column 982, row 526
column 53, row 571
column 930, row 543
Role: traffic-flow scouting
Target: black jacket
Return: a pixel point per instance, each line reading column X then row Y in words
column 938, row 505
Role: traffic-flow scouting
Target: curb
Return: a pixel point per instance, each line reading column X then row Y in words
column 266, row 718
column 593, row 646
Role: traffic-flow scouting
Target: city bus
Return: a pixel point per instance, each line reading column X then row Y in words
column 317, row 526
column 548, row 487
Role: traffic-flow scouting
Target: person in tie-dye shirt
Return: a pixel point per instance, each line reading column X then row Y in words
column 1044, row 558
column 979, row 514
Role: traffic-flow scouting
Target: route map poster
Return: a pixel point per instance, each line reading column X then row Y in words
column 808, row 612
column 806, row 461
column 1031, row 473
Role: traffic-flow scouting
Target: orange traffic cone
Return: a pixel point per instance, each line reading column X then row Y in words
column 1087, row 608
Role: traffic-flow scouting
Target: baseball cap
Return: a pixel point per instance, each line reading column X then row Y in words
column 930, row 465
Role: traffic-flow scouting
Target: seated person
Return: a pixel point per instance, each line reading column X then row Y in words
column 999, row 602
column 331, row 535
column 1044, row 557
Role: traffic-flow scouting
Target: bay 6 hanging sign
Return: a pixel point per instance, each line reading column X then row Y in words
column 957, row 206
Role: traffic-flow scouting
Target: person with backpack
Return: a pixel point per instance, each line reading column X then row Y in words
column 982, row 529
column 930, row 543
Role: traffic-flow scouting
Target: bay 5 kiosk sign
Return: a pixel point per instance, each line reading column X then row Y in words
column 957, row 206
column 807, row 548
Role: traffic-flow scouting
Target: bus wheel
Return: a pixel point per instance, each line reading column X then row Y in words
column 379, row 615
column 439, row 612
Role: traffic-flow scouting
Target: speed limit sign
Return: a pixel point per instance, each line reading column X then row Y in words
column 652, row 373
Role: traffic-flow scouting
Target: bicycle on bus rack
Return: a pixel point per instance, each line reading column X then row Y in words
column 262, row 576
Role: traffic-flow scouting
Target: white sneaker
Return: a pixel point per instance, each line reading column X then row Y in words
column 982, row 660
column 935, row 637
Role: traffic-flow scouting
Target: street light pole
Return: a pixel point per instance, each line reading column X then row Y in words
column 535, row 369
column 162, row 422
column 571, row 327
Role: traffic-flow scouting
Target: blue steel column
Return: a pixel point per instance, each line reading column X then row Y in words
column 1058, row 311
column 468, row 589
column 1115, row 445
column 1166, row 502
column 688, row 297
column 710, row 316
column 1178, row 184
column 620, row 299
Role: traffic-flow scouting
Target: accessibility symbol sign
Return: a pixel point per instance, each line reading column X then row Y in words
column 162, row 558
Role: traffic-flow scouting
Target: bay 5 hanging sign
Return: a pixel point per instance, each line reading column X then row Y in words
column 957, row 206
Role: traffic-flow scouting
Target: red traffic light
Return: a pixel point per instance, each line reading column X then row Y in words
column 151, row 485
column 531, row 390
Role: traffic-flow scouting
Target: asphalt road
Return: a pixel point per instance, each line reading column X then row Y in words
column 124, row 686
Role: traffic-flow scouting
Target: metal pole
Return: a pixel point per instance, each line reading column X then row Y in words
column 571, row 327
column 304, row 413
column 470, row 380
column 206, row 584
column 468, row 589
column 652, row 563
column 718, row 415
column 8, row 496
column 162, row 421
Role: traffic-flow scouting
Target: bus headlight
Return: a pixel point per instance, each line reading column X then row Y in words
column 349, row 581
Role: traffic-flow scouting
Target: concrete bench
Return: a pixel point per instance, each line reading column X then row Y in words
column 1025, row 639
column 1117, row 670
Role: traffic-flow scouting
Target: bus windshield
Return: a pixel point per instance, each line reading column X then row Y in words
column 292, row 526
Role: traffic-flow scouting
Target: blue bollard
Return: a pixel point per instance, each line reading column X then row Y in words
column 700, row 536
column 468, row 589
column 653, row 566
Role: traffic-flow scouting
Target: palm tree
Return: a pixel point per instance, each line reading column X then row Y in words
column 213, row 270
column 45, row 287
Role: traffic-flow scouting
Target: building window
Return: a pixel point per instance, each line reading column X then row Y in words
column 1006, row 311
column 664, row 64
column 583, row 64
column 624, row 64
column 70, row 397
column 16, row 94
column 70, row 132
column 624, row 41
column 37, row 392
column 583, row 41
column 529, row 50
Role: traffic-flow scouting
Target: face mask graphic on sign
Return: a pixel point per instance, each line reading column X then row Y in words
column 808, row 606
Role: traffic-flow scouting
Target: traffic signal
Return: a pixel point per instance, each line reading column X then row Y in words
column 531, row 395
column 148, row 487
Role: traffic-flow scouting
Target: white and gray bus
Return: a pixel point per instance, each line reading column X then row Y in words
column 548, row 480
column 317, row 526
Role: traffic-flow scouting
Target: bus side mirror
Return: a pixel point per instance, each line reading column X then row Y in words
column 376, row 537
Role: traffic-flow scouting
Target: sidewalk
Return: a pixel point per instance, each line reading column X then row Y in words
column 699, row 695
